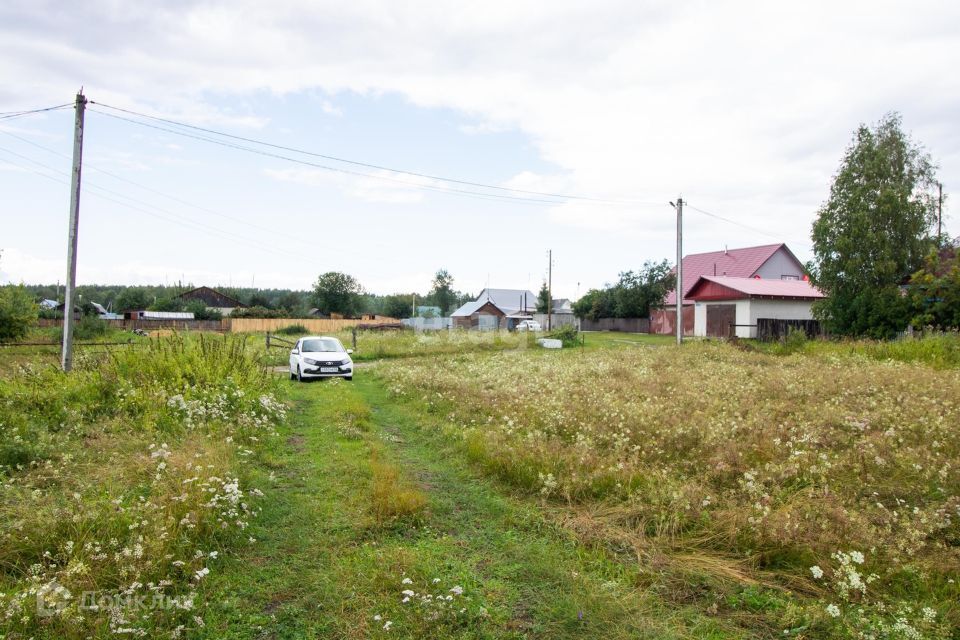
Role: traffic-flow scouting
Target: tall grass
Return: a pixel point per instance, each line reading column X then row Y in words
column 938, row 350
column 834, row 481
column 379, row 345
column 123, row 482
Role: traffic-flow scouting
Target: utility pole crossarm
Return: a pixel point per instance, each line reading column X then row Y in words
column 66, row 358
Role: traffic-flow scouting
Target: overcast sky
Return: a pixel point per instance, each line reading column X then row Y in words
column 743, row 108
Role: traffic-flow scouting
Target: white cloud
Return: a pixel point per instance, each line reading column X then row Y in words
column 743, row 107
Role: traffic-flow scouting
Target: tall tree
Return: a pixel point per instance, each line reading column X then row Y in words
column 543, row 298
column 336, row 292
column 873, row 231
column 442, row 293
column 631, row 297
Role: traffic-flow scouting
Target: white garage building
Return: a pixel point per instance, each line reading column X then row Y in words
column 727, row 306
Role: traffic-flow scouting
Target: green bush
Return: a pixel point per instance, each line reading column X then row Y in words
column 18, row 312
column 567, row 334
column 201, row 311
column 89, row 327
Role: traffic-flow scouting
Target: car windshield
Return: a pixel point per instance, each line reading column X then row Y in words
column 321, row 344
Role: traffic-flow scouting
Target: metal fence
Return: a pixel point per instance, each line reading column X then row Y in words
column 428, row 324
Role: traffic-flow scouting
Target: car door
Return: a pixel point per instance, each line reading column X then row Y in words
column 294, row 357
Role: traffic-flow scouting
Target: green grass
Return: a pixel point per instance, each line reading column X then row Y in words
column 940, row 351
column 125, row 478
column 327, row 562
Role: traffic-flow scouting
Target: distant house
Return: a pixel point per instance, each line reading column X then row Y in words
column 213, row 299
column 725, row 306
column 562, row 306
column 496, row 309
column 104, row 314
column 766, row 262
column 47, row 304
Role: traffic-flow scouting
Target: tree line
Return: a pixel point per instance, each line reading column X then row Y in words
column 333, row 293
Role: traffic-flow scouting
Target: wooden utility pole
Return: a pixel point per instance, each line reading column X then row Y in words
column 66, row 357
column 550, row 290
column 679, row 208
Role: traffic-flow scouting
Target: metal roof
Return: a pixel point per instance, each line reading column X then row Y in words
column 507, row 300
column 734, row 263
column 752, row 288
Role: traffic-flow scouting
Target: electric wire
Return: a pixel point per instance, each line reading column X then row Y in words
column 407, row 183
column 115, row 176
column 556, row 198
column 561, row 196
column 8, row 115
column 739, row 224
column 138, row 205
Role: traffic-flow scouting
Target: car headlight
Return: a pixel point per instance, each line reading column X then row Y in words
column 310, row 361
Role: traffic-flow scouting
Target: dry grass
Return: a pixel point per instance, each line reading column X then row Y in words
column 391, row 496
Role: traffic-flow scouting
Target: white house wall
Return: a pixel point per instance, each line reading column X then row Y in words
column 748, row 311
column 778, row 265
column 743, row 317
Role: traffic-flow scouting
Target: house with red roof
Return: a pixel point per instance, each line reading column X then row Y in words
column 746, row 307
column 766, row 262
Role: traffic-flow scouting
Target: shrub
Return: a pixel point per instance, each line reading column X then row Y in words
column 567, row 334
column 201, row 311
column 89, row 327
column 18, row 312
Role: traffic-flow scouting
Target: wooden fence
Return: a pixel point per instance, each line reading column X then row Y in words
column 234, row 325
column 220, row 326
column 312, row 325
column 776, row 329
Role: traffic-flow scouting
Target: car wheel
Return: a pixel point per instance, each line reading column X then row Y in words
column 300, row 374
column 293, row 376
column 348, row 378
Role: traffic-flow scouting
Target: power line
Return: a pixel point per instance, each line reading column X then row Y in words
column 739, row 224
column 145, row 187
column 164, row 214
column 6, row 115
column 562, row 196
column 415, row 185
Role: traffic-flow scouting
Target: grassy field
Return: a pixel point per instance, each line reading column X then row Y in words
column 379, row 345
column 124, row 482
column 468, row 487
column 828, row 483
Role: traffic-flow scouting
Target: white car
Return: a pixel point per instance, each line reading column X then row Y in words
column 320, row 357
column 529, row 325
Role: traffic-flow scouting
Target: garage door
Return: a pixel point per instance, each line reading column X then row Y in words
column 719, row 319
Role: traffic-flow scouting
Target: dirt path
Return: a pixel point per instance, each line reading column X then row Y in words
column 325, row 566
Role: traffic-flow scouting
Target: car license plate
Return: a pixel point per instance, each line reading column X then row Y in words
column 329, row 370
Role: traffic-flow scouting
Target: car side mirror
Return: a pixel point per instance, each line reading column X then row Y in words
column 349, row 351
column 294, row 352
